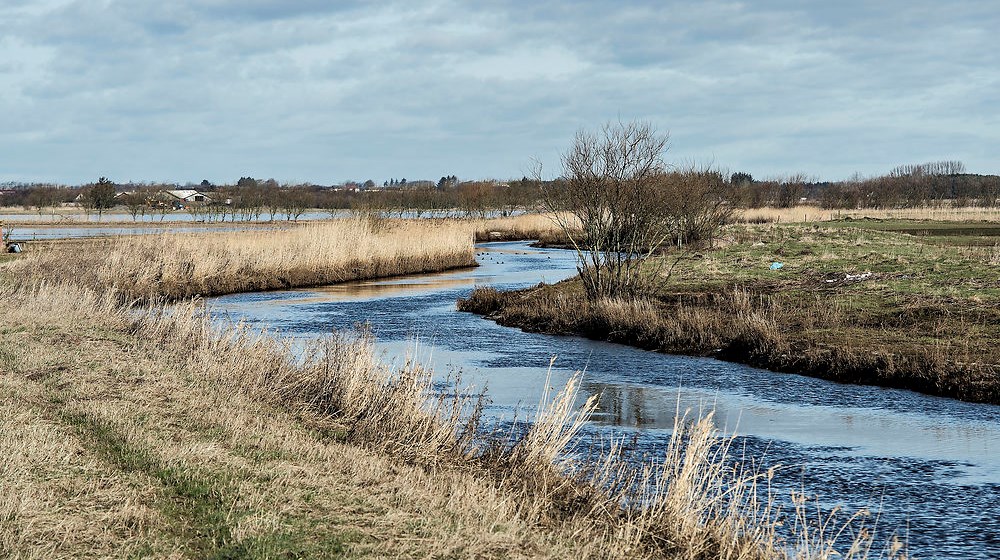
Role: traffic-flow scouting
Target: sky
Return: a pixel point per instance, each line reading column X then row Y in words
column 326, row 92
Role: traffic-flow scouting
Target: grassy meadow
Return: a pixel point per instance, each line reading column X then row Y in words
column 908, row 304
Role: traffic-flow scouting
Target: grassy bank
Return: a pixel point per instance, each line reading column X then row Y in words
column 141, row 434
column 850, row 304
column 179, row 265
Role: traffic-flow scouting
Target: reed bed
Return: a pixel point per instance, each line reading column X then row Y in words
column 541, row 227
column 154, row 434
column 179, row 265
column 810, row 213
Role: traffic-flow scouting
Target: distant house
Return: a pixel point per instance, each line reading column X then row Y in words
column 186, row 196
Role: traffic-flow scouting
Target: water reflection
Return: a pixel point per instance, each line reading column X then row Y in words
column 399, row 287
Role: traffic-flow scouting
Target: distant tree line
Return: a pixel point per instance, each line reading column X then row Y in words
column 913, row 186
column 931, row 184
column 254, row 199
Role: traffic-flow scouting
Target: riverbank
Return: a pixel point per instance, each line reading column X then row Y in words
column 134, row 433
column 848, row 304
column 154, row 437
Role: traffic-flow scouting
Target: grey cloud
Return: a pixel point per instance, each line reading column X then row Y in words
column 323, row 91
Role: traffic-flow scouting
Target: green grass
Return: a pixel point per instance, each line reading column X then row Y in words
column 850, row 303
column 960, row 234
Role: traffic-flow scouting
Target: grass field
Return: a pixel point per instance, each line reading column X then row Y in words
column 855, row 301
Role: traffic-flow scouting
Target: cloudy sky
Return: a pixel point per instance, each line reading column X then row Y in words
column 324, row 91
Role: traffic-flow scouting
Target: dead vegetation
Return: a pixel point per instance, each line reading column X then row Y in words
column 811, row 213
column 177, row 265
column 131, row 431
column 135, row 432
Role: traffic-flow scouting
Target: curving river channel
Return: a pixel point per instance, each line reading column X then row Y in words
column 928, row 466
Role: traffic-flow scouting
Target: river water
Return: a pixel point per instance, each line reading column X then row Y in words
column 928, row 466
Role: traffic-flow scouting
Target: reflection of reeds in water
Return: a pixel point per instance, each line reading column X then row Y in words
column 222, row 443
column 182, row 265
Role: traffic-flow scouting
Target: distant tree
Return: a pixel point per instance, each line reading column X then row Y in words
column 99, row 196
column 789, row 191
column 295, row 201
column 272, row 197
column 42, row 197
column 740, row 178
column 137, row 202
column 447, row 181
column 369, row 184
column 205, row 184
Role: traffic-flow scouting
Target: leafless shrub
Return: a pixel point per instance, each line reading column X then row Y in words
column 612, row 191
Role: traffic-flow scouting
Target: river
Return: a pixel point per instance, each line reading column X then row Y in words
column 928, row 466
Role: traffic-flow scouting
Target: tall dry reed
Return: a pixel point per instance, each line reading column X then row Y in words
column 524, row 226
column 179, row 265
column 810, row 213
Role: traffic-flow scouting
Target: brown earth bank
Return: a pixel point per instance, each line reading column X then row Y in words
column 869, row 307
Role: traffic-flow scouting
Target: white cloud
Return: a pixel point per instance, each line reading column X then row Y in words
column 310, row 90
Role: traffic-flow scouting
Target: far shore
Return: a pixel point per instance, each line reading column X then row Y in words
column 865, row 302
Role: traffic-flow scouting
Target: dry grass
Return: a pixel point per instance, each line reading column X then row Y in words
column 142, row 433
column 525, row 226
column 808, row 213
column 179, row 265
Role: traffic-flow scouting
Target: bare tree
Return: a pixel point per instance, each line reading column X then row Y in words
column 42, row 197
column 611, row 205
column 295, row 201
column 137, row 202
column 697, row 203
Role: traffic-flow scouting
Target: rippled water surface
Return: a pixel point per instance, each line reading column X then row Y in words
column 930, row 466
